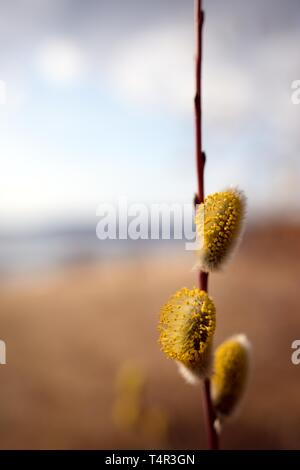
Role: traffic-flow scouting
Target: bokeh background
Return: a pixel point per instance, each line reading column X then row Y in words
column 99, row 106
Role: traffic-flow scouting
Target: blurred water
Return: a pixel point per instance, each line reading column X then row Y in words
column 37, row 252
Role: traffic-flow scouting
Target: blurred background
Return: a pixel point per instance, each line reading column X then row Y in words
column 98, row 106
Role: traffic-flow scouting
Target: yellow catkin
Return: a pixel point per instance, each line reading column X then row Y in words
column 231, row 366
column 219, row 223
column 187, row 325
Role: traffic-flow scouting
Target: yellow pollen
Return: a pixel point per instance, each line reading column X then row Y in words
column 231, row 364
column 219, row 222
column 186, row 333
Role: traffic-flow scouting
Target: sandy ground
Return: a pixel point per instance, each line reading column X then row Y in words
column 68, row 334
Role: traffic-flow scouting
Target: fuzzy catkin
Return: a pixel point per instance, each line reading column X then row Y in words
column 219, row 222
column 187, row 325
column 231, row 368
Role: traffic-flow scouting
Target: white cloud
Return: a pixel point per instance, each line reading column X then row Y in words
column 155, row 67
column 228, row 93
column 60, row 61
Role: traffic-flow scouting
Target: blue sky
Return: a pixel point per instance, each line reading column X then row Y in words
column 99, row 105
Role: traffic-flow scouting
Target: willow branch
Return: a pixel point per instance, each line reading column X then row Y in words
column 200, row 162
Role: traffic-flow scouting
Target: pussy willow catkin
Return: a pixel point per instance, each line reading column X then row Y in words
column 219, row 223
column 231, row 368
column 187, row 325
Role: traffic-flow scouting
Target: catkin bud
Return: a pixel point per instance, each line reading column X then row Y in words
column 187, row 325
column 231, row 367
column 219, row 222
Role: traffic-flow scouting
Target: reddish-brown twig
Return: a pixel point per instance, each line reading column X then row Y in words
column 200, row 161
